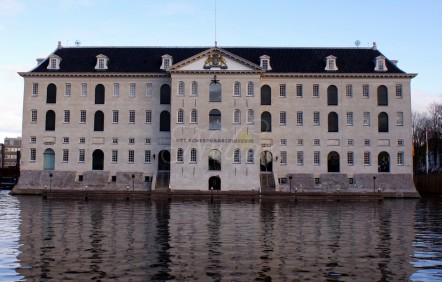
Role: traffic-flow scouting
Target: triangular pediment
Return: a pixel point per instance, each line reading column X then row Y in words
column 215, row 59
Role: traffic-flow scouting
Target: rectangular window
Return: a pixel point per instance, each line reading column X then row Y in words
column 33, row 139
column 193, row 155
column 131, row 141
column 400, row 158
column 65, row 140
column 32, row 155
column 82, row 116
column 349, row 118
column 149, row 90
column 350, row 158
column 34, row 89
column 82, row 140
column 349, row 91
column 366, row 142
column 114, row 140
column 400, row 142
column 131, row 156
column 34, row 116
column 67, row 116
column 148, row 116
column 283, row 142
column 400, row 118
column 365, row 91
column 316, row 120
column 132, row 90
column 115, row 116
column 299, row 92
column 366, row 117
column 367, row 159
column 317, row 181
column 398, row 90
column 299, row 118
column 316, row 158
column 350, row 142
column 316, row 142
column 147, row 141
column 83, row 89
column 147, row 156
column 282, row 118
column 116, row 89
column 316, row 90
column 300, row 158
column 65, row 155
column 81, row 155
column 68, row 89
column 283, row 157
column 300, row 142
column 114, row 156
column 282, row 90
column 131, row 116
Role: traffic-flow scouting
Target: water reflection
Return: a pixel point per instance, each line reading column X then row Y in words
column 226, row 240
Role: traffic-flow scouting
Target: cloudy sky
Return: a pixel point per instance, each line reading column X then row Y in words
column 406, row 30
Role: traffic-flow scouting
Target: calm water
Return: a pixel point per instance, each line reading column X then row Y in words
column 393, row 240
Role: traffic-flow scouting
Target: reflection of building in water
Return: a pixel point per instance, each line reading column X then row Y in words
column 316, row 118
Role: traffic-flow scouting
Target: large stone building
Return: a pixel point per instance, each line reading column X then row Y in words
column 236, row 118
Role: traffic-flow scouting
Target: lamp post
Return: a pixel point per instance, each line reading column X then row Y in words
column 290, row 183
column 374, row 184
column 50, row 180
column 133, row 182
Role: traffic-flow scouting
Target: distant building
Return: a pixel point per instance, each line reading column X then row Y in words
column 10, row 152
column 236, row 118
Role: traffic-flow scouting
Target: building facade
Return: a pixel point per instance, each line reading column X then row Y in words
column 10, row 152
column 237, row 118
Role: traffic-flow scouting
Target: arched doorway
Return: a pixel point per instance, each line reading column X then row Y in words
column 98, row 121
column 266, row 95
column 214, row 160
column 164, row 160
column 99, row 94
column 383, row 162
column 97, row 160
column 49, row 159
column 165, row 121
column 332, row 95
column 165, row 94
column 50, row 120
column 215, row 183
column 333, row 162
column 266, row 162
column 266, row 122
column 51, row 95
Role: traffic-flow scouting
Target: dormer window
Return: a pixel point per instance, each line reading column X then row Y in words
column 265, row 62
column 54, row 62
column 166, row 62
column 380, row 64
column 331, row 63
column 102, row 62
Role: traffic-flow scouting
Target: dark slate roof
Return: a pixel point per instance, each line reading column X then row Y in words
column 282, row 59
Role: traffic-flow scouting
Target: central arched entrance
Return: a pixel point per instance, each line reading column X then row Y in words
column 383, row 162
column 164, row 160
column 215, row 183
column 266, row 162
column 49, row 159
column 333, row 162
column 97, row 160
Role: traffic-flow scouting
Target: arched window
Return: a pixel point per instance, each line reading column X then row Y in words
column 250, row 89
column 215, row 91
column 266, row 122
column 51, row 94
column 266, row 95
column 250, row 156
column 333, row 122
column 180, row 116
column 332, row 95
column 99, row 94
column 237, row 116
column 181, row 86
column 97, row 160
column 383, row 162
column 237, row 156
column 250, row 116
column 194, row 116
column 383, row 122
column 382, row 96
column 165, row 94
column 165, row 121
column 98, row 121
column 50, row 120
column 214, row 160
column 237, row 89
column 215, row 120
column 333, row 162
column 195, row 88
column 179, row 155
